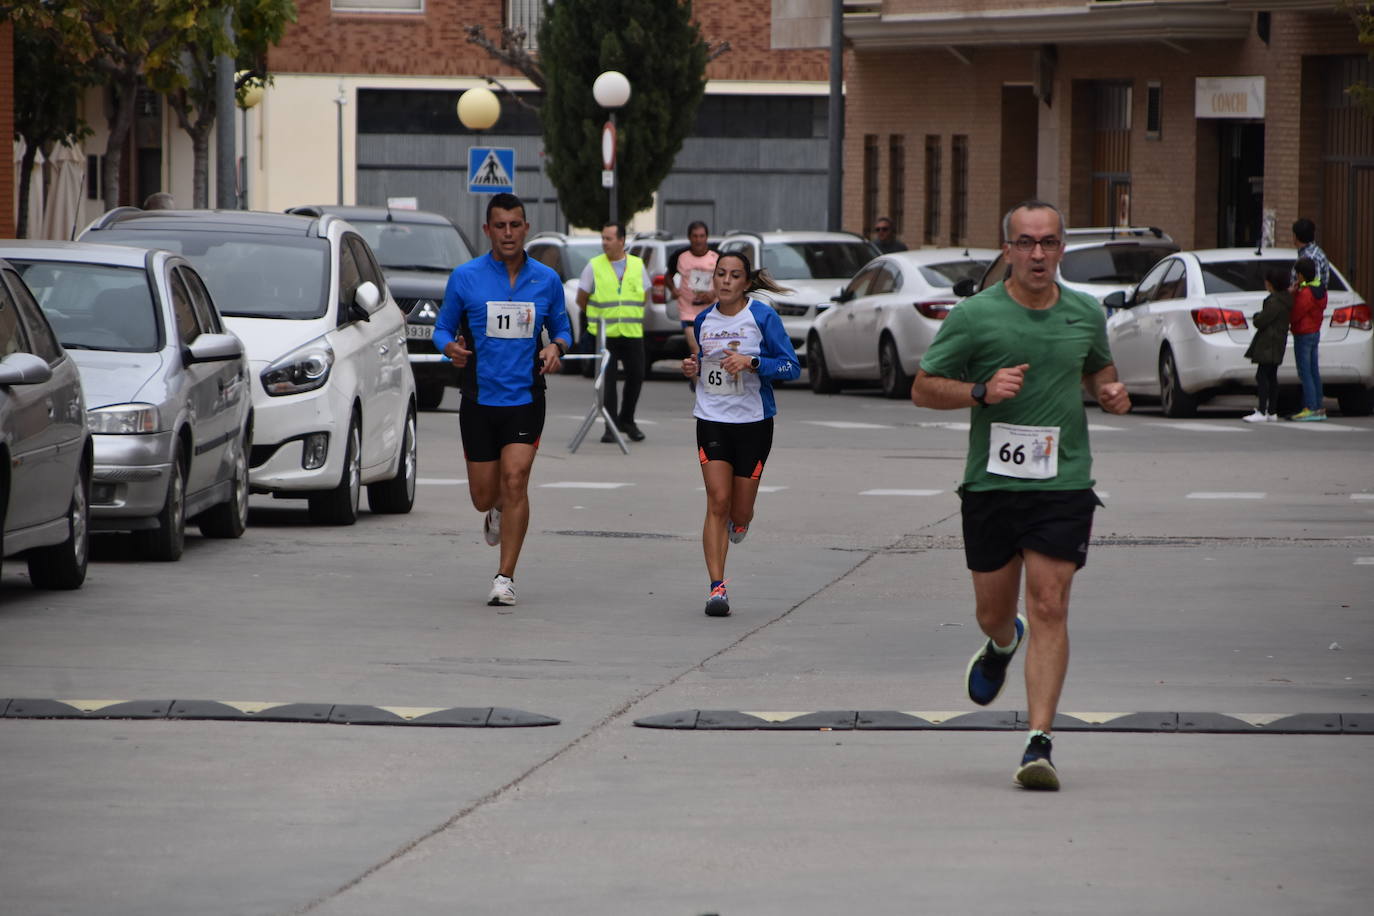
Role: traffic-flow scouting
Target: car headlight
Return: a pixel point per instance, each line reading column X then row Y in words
column 123, row 419
column 303, row 369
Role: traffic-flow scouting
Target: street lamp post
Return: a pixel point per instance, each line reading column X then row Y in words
column 611, row 91
column 249, row 98
column 341, row 100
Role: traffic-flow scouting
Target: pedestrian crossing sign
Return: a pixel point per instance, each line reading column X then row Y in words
column 491, row 170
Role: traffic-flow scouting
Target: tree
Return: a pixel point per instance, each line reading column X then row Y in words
column 47, row 85
column 1362, row 13
column 187, row 81
column 658, row 47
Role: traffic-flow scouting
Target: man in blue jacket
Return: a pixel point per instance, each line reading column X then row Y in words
column 495, row 308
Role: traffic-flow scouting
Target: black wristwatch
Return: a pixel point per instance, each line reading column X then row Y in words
column 754, row 363
column 979, row 393
column 562, row 347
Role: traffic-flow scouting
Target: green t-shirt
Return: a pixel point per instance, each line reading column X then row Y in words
column 1061, row 344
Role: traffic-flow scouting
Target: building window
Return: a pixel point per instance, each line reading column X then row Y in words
column 870, row 180
column 1154, row 114
column 1111, row 163
column 525, row 14
column 377, row 6
column 958, row 177
column 932, row 233
column 896, row 185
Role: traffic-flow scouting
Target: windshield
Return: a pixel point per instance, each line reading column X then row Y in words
column 1248, row 276
column 414, row 246
column 816, row 260
column 952, row 273
column 94, row 306
column 249, row 276
column 1121, row 264
column 579, row 253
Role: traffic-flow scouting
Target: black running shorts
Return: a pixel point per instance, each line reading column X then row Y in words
column 486, row 430
column 999, row 524
column 744, row 445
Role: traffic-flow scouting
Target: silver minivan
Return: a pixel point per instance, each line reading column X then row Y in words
column 167, row 388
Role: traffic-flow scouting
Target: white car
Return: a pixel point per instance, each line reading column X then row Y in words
column 1181, row 335
column 333, row 395
column 814, row 265
column 884, row 320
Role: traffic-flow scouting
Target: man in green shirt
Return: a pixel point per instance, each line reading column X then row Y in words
column 1019, row 354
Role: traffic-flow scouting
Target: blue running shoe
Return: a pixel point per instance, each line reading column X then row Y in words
column 1037, row 771
column 987, row 670
column 718, row 602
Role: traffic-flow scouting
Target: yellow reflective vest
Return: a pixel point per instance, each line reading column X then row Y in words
column 620, row 303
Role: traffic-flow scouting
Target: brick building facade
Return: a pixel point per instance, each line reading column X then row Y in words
column 7, row 189
column 1093, row 105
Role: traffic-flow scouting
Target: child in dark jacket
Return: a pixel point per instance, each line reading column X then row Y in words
column 1309, row 304
column 1267, row 348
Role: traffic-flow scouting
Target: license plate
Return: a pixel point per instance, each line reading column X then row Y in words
column 420, row 331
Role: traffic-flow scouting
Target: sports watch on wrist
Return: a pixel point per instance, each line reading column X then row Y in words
column 754, row 363
column 979, row 393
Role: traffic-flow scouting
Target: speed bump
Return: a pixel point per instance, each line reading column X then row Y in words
column 998, row 720
column 245, row 711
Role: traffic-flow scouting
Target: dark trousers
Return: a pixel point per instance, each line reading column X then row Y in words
column 1267, row 380
column 629, row 352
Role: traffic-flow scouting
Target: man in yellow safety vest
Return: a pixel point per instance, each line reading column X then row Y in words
column 614, row 289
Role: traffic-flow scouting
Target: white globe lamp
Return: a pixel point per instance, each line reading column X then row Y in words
column 478, row 108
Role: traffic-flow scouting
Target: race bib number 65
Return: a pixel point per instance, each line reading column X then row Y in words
column 718, row 381
column 1027, row 452
column 510, row 319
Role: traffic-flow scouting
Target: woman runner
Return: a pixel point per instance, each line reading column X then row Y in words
column 743, row 349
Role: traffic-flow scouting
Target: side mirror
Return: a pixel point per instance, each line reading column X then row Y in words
column 1116, row 300
column 212, row 348
column 24, row 369
column 965, row 288
column 842, row 297
column 366, row 298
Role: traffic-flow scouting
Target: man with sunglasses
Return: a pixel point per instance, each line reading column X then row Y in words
column 1019, row 354
column 885, row 236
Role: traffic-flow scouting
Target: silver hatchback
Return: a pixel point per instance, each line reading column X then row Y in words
column 166, row 388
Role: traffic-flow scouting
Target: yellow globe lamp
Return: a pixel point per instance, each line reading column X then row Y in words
column 478, row 108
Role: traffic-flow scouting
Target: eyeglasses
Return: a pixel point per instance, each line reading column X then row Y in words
column 1048, row 244
column 884, row 228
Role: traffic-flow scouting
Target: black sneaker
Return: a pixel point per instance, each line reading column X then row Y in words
column 1037, row 771
column 631, row 430
column 608, row 436
column 718, row 602
column 987, row 670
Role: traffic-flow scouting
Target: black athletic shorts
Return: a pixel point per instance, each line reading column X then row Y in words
column 486, row 430
column 744, row 445
column 999, row 524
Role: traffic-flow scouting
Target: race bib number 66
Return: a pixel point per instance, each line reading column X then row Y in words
column 1027, row 452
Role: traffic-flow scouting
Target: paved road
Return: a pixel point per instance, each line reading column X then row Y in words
column 1233, row 573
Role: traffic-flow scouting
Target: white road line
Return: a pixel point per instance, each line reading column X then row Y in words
column 900, row 492
column 1100, row 428
column 1102, row 494
column 1202, row 427
column 762, row 489
column 1364, row 561
column 441, row 481
column 1362, row 495
column 583, row 485
column 1224, row 495
column 1323, row 427
column 944, row 424
column 846, row 424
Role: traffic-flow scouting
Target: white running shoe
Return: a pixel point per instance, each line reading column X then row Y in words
column 1273, row 417
column 491, row 527
column 736, row 532
column 502, row 591
column 1256, row 417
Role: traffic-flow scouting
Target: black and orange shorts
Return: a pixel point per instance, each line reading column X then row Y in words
column 744, row 445
column 486, row 430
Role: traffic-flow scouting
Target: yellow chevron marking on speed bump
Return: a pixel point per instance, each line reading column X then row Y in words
column 775, row 716
column 92, row 705
column 411, row 712
column 250, row 708
column 935, row 718
column 1098, row 718
column 1259, row 721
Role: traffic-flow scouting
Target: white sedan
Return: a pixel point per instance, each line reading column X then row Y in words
column 1181, row 335
column 886, row 317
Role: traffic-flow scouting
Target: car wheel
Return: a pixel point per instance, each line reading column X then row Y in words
column 339, row 506
column 816, row 372
column 429, row 395
column 166, row 542
column 1355, row 401
column 397, row 495
column 1176, row 401
column 63, row 566
column 896, row 383
column 229, row 519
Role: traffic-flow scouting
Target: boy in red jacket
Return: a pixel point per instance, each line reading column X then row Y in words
column 1309, row 304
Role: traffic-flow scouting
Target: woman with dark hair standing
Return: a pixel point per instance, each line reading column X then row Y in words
column 743, row 350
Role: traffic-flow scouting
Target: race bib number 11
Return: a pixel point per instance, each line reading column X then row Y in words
column 1027, row 452
column 510, row 319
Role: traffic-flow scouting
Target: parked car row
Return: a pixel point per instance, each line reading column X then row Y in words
column 218, row 353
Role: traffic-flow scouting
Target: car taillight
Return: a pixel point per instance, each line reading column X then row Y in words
column 1353, row 316
column 1214, row 320
column 660, row 290
column 936, row 309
